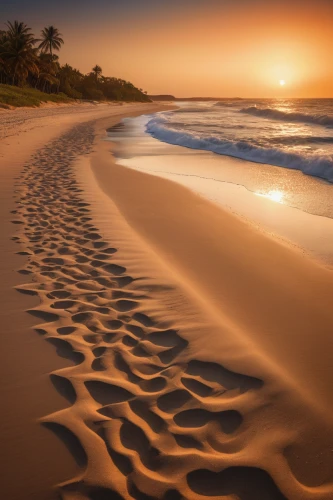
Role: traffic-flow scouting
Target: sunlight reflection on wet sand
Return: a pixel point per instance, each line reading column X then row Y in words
column 276, row 196
column 278, row 200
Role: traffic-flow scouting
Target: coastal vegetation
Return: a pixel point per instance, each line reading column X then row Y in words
column 11, row 95
column 30, row 72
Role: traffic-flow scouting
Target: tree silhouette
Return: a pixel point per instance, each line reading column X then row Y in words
column 51, row 40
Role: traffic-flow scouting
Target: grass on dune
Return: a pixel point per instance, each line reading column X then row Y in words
column 18, row 97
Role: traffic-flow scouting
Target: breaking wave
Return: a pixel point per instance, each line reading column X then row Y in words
column 276, row 114
column 309, row 163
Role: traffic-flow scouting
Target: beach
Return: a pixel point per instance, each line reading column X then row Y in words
column 154, row 344
column 32, row 459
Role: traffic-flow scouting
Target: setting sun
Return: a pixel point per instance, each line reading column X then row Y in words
column 282, row 83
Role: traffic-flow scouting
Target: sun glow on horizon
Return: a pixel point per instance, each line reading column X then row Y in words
column 275, row 48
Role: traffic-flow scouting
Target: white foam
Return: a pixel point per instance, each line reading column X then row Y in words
column 309, row 163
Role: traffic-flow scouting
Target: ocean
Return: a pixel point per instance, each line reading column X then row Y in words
column 268, row 161
column 290, row 133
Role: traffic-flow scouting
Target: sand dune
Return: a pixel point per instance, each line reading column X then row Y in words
column 170, row 393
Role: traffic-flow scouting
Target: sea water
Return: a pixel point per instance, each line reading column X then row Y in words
column 290, row 133
column 270, row 161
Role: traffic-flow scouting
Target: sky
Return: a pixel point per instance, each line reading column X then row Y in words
column 213, row 48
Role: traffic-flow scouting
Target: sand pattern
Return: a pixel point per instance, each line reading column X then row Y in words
column 144, row 418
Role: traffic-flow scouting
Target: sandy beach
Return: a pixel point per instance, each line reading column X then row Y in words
column 33, row 459
column 154, row 345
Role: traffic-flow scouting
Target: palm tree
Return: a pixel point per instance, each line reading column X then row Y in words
column 17, row 30
column 69, row 76
column 97, row 70
column 21, row 59
column 3, row 40
column 51, row 40
column 47, row 75
column 17, row 55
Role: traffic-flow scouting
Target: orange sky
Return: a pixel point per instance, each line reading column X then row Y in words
column 202, row 48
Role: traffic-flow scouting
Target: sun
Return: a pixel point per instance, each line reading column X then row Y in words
column 282, row 83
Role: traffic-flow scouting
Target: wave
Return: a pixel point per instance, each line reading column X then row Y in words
column 276, row 114
column 294, row 140
column 193, row 110
column 314, row 165
column 226, row 104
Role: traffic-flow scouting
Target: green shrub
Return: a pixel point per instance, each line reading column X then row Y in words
column 18, row 97
column 70, row 92
column 94, row 94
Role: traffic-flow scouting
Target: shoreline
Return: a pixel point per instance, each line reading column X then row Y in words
column 177, row 242
column 231, row 184
column 165, row 241
column 296, row 353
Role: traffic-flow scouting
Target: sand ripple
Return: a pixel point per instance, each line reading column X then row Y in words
column 145, row 419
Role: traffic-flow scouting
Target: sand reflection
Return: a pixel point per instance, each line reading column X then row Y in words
column 276, row 196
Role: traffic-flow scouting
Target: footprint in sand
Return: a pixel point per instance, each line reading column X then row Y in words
column 148, row 398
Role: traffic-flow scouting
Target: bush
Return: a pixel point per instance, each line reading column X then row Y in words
column 70, row 92
column 94, row 94
column 16, row 96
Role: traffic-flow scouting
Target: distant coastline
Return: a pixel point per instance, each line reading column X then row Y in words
column 167, row 97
